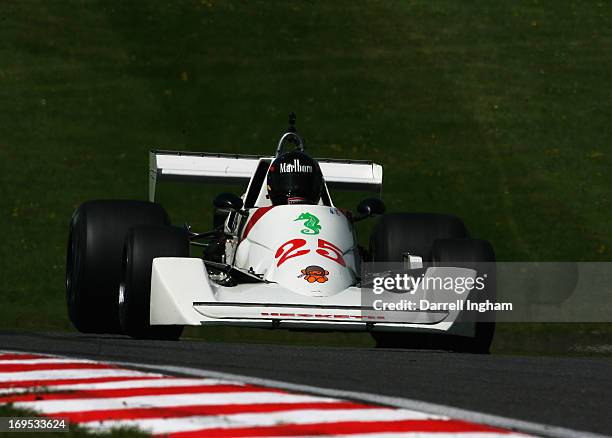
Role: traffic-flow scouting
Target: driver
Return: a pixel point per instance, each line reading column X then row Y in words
column 294, row 178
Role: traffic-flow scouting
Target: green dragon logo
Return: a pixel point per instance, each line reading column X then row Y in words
column 311, row 225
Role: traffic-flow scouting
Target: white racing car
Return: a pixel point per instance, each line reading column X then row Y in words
column 281, row 256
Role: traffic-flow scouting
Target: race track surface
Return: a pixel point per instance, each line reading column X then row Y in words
column 568, row 392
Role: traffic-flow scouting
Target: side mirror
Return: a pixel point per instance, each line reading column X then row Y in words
column 228, row 202
column 369, row 207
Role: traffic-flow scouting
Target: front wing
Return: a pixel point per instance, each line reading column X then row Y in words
column 183, row 294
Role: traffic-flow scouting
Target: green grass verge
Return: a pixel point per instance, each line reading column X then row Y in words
column 496, row 112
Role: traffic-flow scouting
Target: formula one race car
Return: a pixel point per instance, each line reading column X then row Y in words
column 280, row 256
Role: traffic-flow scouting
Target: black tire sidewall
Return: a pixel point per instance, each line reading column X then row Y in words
column 76, row 303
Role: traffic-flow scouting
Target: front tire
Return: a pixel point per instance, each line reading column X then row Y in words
column 142, row 245
column 477, row 255
column 438, row 239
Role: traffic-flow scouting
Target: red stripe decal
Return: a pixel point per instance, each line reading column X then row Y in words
column 189, row 411
column 253, row 220
column 340, row 428
column 135, row 392
column 10, row 368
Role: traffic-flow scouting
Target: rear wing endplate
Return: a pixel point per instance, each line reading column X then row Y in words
column 358, row 175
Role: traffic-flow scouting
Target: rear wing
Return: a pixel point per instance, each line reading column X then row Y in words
column 357, row 175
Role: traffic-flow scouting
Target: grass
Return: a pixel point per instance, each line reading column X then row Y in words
column 496, row 112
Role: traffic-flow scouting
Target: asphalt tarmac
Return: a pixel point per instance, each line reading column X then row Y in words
column 570, row 392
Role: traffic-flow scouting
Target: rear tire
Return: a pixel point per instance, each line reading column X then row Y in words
column 142, row 245
column 93, row 261
column 397, row 233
